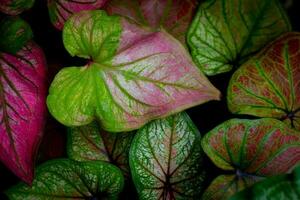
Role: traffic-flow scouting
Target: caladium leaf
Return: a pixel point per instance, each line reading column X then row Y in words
column 252, row 149
column 15, row 7
column 172, row 15
column 277, row 187
column 22, row 108
column 90, row 142
column 166, row 159
column 67, row 179
column 14, row 34
column 225, row 33
column 133, row 75
column 61, row 10
column 268, row 84
column 223, row 186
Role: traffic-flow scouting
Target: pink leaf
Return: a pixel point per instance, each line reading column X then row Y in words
column 174, row 16
column 132, row 77
column 22, row 111
column 61, row 10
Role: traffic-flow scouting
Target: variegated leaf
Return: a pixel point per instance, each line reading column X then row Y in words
column 133, row 75
column 251, row 149
column 90, row 142
column 166, row 159
column 225, row 33
column 268, row 84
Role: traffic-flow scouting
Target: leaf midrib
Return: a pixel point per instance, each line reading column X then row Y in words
column 5, row 120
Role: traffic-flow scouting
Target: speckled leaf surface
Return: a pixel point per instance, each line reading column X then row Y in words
column 268, row 84
column 67, row 179
column 166, row 159
column 173, row 15
column 61, row 10
column 133, row 75
column 225, row 33
column 15, row 7
column 281, row 187
column 252, row 149
column 22, row 110
column 90, row 142
column 14, row 34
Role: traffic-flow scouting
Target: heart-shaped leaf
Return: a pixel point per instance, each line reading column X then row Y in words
column 278, row 187
column 225, row 33
column 61, row 10
column 14, row 34
column 15, row 7
column 253, row 148
column 172, row 15
column 91, row 143
column 67, row 179
column 133, row 75
column 268, row 84
column 22, row 110
column 166, row 159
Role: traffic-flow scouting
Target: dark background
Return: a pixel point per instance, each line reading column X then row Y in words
column 205, row 116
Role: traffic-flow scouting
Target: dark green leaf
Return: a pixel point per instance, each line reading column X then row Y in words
column 281, row 187
column 166, row 159
column 15, row 7
column 225, row 33
column 14, row 34
column 67, row 179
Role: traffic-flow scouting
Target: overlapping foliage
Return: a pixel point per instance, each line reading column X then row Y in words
column 251, row 150
column 123, row 108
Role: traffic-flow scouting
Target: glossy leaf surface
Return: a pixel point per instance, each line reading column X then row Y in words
column 15, row 7
column 225, row 33
column 133, row 75
column 14, row 34
column 67, row 179
column 61, row 10
column 285, row 187
column 90, row 142
column 166, row 158
column 268, row 84
column 172, row 15
column 254, row 149
column 22, row 110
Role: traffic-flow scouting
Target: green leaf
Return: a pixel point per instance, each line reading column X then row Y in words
column 67, row 179
column 166, row 159
column 15, row 7
column 14, row 34
column 133, row 75
column 284, row 187
column 90, row 142
column 268, row 84
column 93, row 35
column 251, row 149
column 225, row 33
